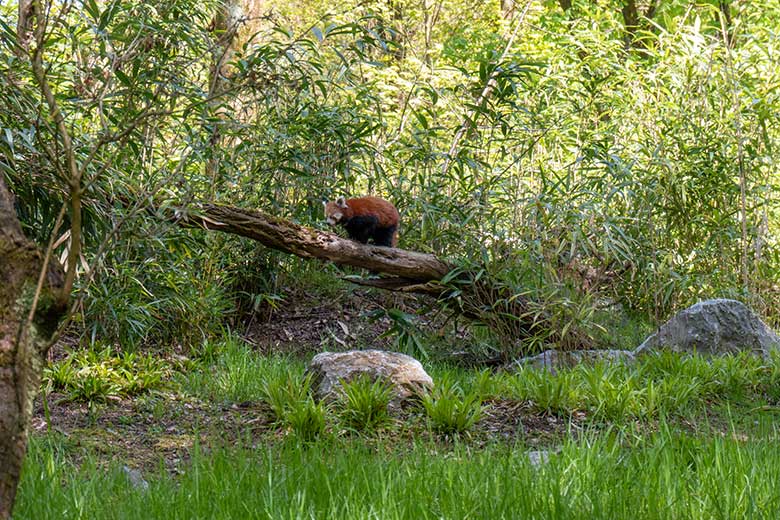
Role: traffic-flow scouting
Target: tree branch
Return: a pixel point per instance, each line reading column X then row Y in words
column 305, row 242
column 71, row 170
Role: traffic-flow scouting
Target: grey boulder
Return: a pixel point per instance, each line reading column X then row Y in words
column 553, row 360
column 718, row 326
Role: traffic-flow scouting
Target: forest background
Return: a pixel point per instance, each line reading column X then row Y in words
column 597, row 165
column 582, row 154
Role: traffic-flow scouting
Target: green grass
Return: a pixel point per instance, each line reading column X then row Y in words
column 664, row 475
column 659, row 384
column 449, row 409
column 364, row 404
column 235, row 373
column 669, row 437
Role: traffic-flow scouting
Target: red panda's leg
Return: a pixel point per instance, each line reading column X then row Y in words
column 361, row 228
column 385, row 236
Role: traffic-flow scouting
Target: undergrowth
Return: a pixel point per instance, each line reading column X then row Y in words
column 449, row 409
column 364, row 404
column 659, row 388
column 97, row 375
column 670, row 436
column 657, row 385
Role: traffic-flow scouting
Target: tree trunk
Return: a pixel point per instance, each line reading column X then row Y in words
column 225, row 25
column 28, row 318
column 630, row 23
column 234, row 24
column 725, row 10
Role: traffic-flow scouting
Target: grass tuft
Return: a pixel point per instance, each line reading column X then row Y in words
column 450, row 410
column 364, row 404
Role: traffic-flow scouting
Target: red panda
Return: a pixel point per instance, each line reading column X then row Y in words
column 365, row 218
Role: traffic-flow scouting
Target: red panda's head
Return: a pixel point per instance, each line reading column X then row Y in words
column 336, row 212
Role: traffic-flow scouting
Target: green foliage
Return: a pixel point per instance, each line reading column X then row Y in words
column 405, row 332
column 233, row 372
column 648, row 409
column 98, row 375
column 283, row 392
column 613, row 395
column 660, row 384
column 558, row 394
column 154, row 292
column 449, row 409
column 307, row 418
column 230, row 371
column 364, row 404
column 574, row 165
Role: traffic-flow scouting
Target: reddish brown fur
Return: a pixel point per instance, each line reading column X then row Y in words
column 380, row 208
column 385, row 213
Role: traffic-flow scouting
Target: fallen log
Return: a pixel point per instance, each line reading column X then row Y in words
column 515, row 316
column 274, row 232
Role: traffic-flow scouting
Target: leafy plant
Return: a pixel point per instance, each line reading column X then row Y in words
column 283, row 392
column 307, row 418
column 92, row 387
column 449, row 409
column 61, row 374
column 404, row 331
column 98, row 374
column 613, row 395
column 365, row 403
column 289, row 396
column 558, row 394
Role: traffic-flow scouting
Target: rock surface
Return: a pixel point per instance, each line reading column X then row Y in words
column 135, row 478
column 717, row 326
column 552, row 360
column 539, row 457
column 403, row 373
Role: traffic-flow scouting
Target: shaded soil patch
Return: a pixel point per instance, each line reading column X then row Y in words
column 145, row 431
column 303, row 326
column 516, row 421
column 166, row 427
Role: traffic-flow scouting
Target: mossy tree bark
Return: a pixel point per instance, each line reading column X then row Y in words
column 31, row 306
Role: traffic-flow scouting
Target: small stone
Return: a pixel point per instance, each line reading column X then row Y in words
column 538, row 457
column 135, row 478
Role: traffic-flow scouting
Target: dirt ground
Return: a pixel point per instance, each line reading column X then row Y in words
column 143, row 432
column 165, row 426
column 303, row 326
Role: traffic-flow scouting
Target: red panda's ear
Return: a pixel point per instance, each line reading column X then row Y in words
column 341, row 202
